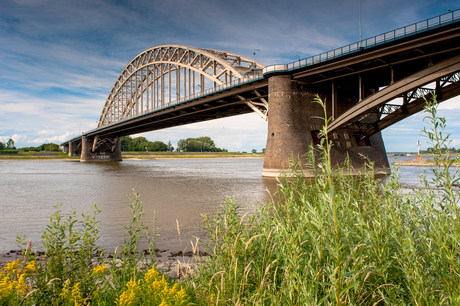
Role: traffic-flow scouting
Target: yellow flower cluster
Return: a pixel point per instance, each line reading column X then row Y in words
column 130, row 296
column 71, row 294
column 99, row 269
column 12, row 280
column 152, row 290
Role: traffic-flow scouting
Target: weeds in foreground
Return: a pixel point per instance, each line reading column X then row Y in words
column 334, row 240
column 76, row 272
column 340, row 239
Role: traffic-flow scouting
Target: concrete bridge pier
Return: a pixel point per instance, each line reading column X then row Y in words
column 65, row 148
column 100, row 150
column 73, row 148
column 294, row 123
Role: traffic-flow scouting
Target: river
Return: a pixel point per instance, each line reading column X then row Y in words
column 170, row 189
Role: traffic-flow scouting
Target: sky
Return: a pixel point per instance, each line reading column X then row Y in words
column 59, row 59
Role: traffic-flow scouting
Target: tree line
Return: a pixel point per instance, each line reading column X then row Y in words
column 200, row 144
column 443, row 150
column 140, row 144
column 9, row 147
column 129, row 144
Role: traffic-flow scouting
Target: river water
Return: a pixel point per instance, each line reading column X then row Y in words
column 172, row 190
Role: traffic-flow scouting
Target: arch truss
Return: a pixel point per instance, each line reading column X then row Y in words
column 159, row 76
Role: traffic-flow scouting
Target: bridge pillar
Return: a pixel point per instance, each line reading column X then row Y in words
column 64, row 148
column 288, row 125
column 74, row 148
column 293, row 124
column 112, row 152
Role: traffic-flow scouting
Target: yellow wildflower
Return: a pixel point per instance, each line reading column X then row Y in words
column 130, row 296
column 30, row 267
column 12, row 268
column 76, row 295
column 72, row 294
column 157, row 289
column 99, row 269
column 12, row 281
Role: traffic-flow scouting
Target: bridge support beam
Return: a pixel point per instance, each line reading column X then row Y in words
column 294, row 123
column 112, row 151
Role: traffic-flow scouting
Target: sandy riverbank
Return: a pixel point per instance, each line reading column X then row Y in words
column 421, row 163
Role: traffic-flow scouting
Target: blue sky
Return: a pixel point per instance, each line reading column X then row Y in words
column 60, row 59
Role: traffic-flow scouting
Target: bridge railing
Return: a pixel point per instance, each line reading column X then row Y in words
column 400, row 33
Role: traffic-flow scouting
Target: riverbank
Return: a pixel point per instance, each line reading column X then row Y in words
column 181, row 155
column 420, row 162
column 133, row 156
column 176, row 265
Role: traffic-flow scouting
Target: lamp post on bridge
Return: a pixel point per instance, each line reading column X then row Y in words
column 255, row 65
column 298, row 58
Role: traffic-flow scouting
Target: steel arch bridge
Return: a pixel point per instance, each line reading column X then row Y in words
column 173, row 85
column 158, row 76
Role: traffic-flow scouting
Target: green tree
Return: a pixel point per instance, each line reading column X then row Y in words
column 10, row 144
column 200, row 144
column 253, row 151
column 48, row 147
column 170, row 147
column 140, row 144
column 2, row 145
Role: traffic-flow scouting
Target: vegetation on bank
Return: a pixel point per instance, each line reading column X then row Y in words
column 432, row 150
column 73, row 270
column 200, row 144
column 8, row 147
column 334, row 240
column 141, row 144
column 132, row 155
column 37, row 156
column 180, row 155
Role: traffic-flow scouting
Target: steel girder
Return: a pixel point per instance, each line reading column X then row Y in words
column 163, row 74
column 446, row 76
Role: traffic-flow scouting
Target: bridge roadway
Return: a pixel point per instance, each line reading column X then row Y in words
column 358, row 82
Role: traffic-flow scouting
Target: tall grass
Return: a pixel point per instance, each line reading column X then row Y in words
column 340, row 239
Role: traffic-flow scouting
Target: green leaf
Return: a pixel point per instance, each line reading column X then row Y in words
column 354, row 285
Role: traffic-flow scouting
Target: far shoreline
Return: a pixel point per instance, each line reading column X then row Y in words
column 137, row 156
column 418, row 162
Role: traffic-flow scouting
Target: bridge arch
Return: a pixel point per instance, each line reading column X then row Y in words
column 166, row 73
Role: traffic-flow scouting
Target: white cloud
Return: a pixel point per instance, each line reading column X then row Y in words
column 451, row 104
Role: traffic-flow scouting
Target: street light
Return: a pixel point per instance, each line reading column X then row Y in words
column 255, row 65
column 298, row 58
column 360, row 30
